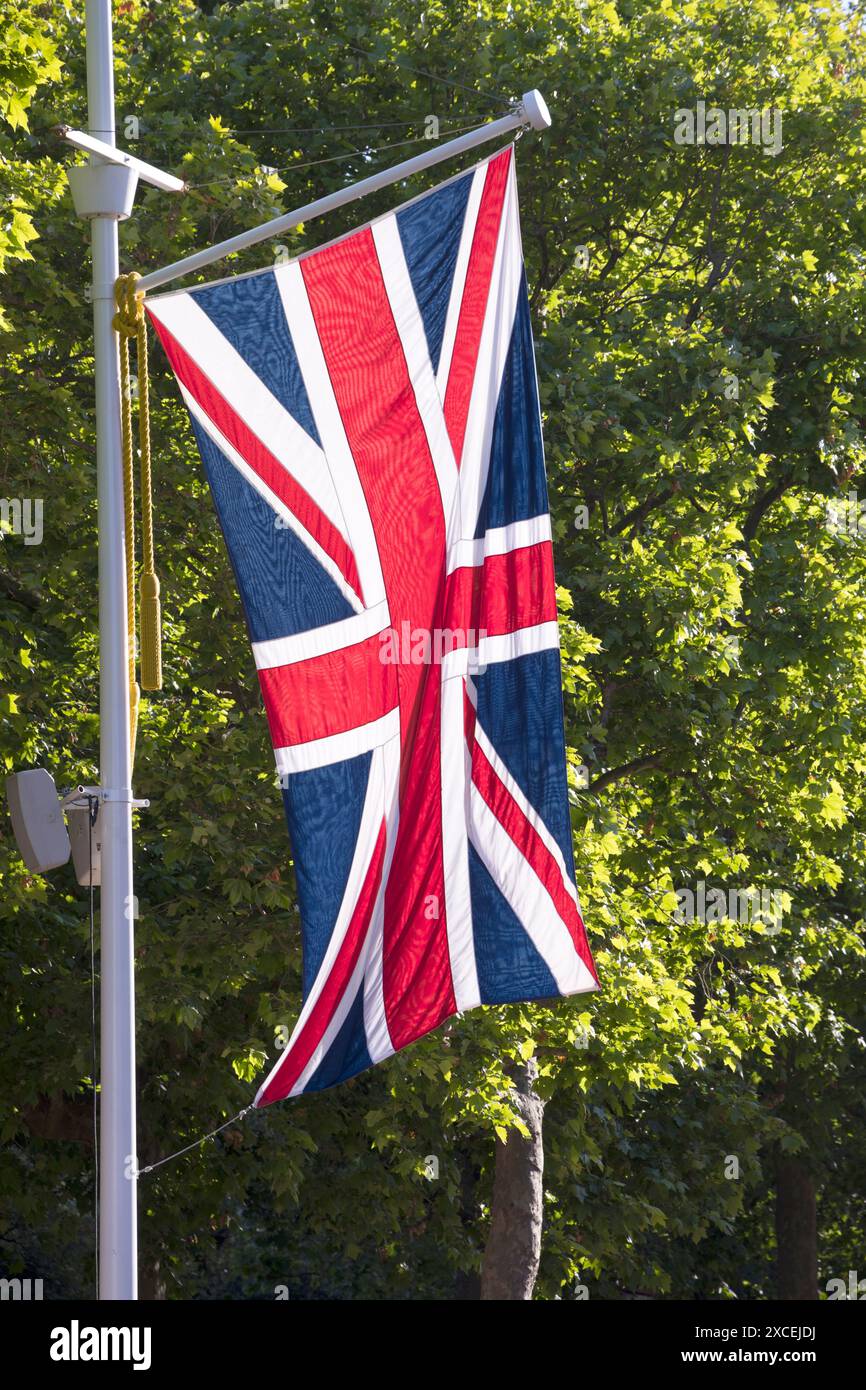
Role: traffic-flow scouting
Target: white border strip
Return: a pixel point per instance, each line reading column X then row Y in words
column 458, row 284
column 288, row 517
column 500, row 540
column 250, row 399
column 329, row 423
column 506, row 647
column 336, row 748
column 318, row 641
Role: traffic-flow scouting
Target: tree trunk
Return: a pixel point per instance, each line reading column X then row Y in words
column 513, row 1248
column 796, row 1232
column 151, row 1284
column 467, row 1283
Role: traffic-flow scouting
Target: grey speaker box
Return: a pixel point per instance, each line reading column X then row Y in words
column 86, row 844
column 37, row 820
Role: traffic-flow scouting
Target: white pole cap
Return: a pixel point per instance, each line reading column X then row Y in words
column 535, row 110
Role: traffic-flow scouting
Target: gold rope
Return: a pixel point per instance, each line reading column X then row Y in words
column 129, row 322
column 128, row 509
column 149, row 609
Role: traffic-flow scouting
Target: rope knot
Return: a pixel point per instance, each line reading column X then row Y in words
column 130, row 305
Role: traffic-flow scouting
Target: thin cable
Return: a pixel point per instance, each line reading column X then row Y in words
column 318, row 129
column 184, row 131
column 181, row 133
column 196, row 1142
column 421, row 72
column 92, row 812
column 330, row 159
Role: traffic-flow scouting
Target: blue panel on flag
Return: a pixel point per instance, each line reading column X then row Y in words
column 347, row 1054
column 516, row 482
column 249, row 313
column 430, row 231
column 520, row 710
column 508, row 965
column 283, row 588
column 323, row 845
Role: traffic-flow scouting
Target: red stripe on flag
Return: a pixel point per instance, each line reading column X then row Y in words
column 473, row 306
column 259, row 457
column 377, row 404
column 335, row 985
column 505, row 593
column 328, row 694
column 528, row 841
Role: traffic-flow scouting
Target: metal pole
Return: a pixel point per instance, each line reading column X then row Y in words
column 118, row 1165
column 531, row 111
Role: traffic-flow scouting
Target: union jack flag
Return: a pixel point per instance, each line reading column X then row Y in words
column 369, row 422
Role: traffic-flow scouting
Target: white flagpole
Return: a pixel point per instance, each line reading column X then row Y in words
column 103, row 191
column 118, row 1164
column 530, row 111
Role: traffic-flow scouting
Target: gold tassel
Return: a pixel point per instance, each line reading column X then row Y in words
column 151, row 635
column 130, row 323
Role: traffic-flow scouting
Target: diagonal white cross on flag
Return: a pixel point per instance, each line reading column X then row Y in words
column 391, row 427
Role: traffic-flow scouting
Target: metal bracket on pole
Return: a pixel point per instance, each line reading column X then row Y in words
column 149, row 172
column 81, row 796
column 106, row 187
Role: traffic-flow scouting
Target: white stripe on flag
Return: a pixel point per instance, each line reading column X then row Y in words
column 326, row 413
column 379, row 1044
column 336, row 748
column 473, row 661
column 365, row 846
column 410, row 328
column 499, row 541
column 455, row 774
column 528, row 898
column 496, row 337
column 458, row 284
column 250, row 399
column 288, row 517
column 318, row 641
column 526, row 809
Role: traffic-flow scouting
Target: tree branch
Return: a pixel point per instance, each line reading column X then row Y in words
column 642, row 511
column 617, row 774
column 26, row 597
column 763, row 504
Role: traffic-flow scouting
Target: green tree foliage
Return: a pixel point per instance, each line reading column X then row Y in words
column 698, row 311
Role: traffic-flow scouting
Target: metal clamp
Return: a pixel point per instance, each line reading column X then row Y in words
column 82, row 796
column 169, row 183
